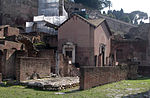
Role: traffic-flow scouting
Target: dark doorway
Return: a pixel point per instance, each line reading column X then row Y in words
column 103, row 55
column 69, row 54
column 1, row 54
column 101, row 58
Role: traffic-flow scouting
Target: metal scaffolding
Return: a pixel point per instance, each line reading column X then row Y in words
column 48, row 11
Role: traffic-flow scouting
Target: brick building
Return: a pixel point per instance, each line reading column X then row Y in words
column 7, row 30
column 125, row 50
column 85, row 42
column 19, row 59
column 143, row 32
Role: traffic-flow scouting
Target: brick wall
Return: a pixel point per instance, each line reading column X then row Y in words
column 124, row 50
column 66, row 69
column 31, row 68
column 144, row 70
column 0, row 77
column 48, row 53
column 95, row 76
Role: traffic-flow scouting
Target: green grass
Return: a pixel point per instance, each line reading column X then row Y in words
column 122, row 88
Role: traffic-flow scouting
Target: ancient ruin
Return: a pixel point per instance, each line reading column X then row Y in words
column 44, row 39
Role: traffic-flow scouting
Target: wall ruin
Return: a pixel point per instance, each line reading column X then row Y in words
column 32, row 68
column 0, row 77
column 104, row 75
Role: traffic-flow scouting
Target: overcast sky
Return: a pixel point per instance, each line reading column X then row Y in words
column 131, row 5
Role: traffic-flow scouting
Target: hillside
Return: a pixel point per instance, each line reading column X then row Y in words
column 117, row 26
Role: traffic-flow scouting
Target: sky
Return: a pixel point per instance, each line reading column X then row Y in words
column 131, row 5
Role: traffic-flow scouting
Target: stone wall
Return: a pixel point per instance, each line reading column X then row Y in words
column 95, row 76
column 32, row 68
column 17, row 12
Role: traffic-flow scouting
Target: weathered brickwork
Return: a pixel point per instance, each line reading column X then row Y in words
column 48, row 53
column 95, row 76
column 144, row 71
column 32, row 68
column 7, row 58
column 66, row 69
column 6, row 31
column 124, row 50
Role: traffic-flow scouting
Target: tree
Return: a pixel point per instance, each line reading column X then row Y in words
column 109, row 4
column 95, row 4
column 141, row 22
column 136, row 22
column 126, row 18
column 138, row 15
column 133, row 17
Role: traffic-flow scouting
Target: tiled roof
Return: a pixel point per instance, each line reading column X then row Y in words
column 96, row 22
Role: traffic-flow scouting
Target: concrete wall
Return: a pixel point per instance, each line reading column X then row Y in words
column 95, row 76
column 30, row 68
column 81, row 34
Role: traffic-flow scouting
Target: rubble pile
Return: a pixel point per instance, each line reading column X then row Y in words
column 53, row 84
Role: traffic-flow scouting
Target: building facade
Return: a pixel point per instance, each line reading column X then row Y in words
column 85, row 42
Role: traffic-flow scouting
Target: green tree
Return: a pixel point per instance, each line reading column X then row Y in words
column 95, row 4
column 136, row 22
column 109, row 4
column 141, row 22
column 138, row 15
column 132, row 17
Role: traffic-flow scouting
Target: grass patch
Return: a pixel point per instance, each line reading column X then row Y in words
column 39, row 44
column 122, row 88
